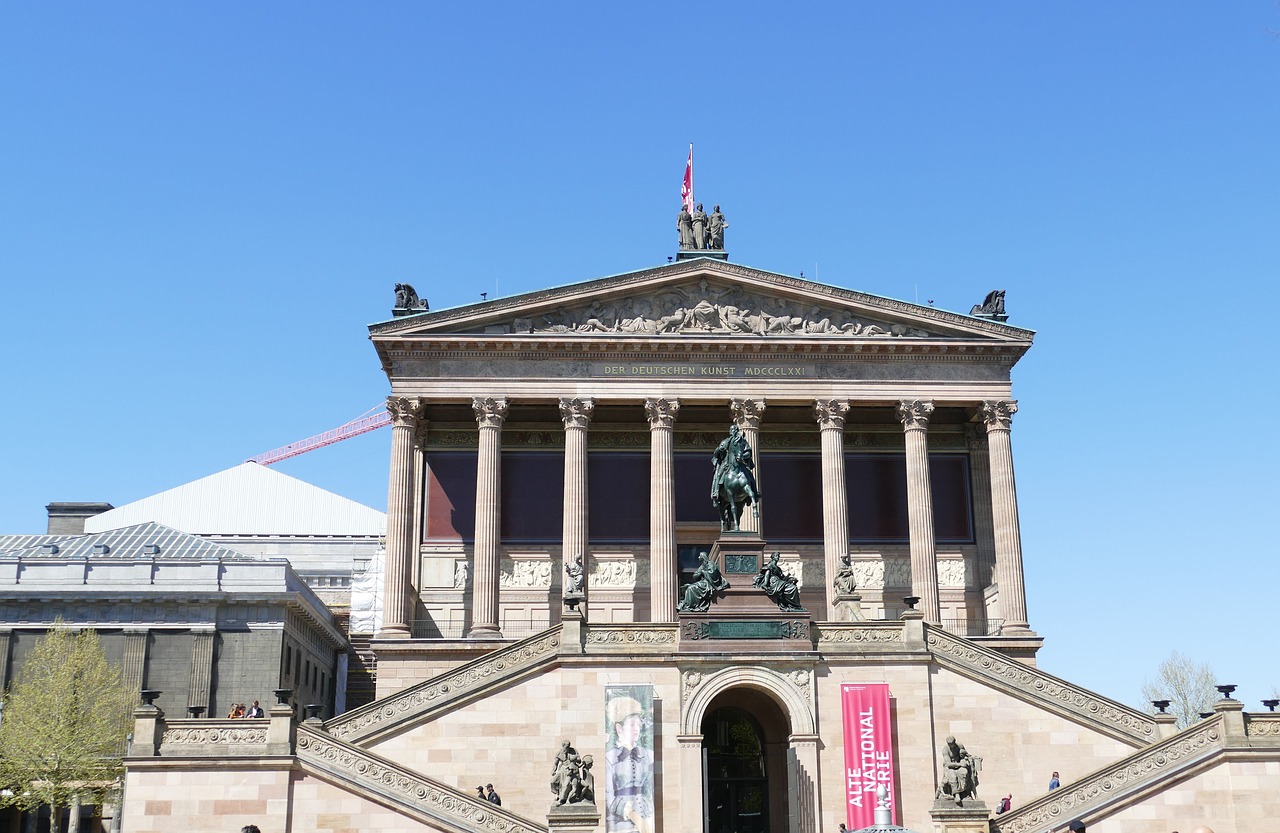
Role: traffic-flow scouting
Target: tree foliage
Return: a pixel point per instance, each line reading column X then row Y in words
column 64, row 724
column 1189, row 686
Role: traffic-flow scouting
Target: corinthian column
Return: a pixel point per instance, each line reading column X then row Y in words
column 1004, row 511
column 746, row 415
column 576, row 415
column 914, row 416
column 662, row 509
column 830, row 414
column 395, row 605
column 490, row 413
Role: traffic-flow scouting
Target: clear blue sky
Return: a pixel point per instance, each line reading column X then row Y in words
column 203, row 205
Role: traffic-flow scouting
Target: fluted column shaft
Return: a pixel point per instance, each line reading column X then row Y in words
column 661, row 414
column 1004, row 512
column 830, row 414
column 746, row 415
column 490, row 413
column 395, row 597
column 576, row 415
column 914, row 416
column 201, row 669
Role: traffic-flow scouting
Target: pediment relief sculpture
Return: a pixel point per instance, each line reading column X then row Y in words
column 710, row 310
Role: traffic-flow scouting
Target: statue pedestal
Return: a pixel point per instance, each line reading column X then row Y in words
column 690, row 254
column 849, row 608
column 971, row 817
column 573, row 818
column 743, row 617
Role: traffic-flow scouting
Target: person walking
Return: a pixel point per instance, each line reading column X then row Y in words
column 1054, row 783
column 492, row 797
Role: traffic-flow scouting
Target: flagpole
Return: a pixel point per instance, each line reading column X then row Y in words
column 692, row 201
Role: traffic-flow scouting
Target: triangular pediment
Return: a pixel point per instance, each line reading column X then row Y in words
column 701, row 298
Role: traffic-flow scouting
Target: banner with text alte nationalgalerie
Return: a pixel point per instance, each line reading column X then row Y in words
column 868, row 751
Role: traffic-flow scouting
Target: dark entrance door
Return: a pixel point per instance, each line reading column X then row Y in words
column 737, row 795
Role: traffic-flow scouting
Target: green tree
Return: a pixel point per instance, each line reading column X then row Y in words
column 1189, row 686
column 64, row 725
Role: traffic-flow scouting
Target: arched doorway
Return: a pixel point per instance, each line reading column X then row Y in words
column 744, row 760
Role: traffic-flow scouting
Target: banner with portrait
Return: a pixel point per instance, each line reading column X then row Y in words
column 868, row 751
column 628, row 774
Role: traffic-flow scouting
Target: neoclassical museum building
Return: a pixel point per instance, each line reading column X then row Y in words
column 566, row 617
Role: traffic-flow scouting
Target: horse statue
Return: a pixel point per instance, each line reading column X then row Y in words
column 734, row 483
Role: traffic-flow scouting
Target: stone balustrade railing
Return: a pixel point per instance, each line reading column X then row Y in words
column 198, row 737
column 1029, row 683
column 408, row 707
column 411, row 793
column 1126, row 776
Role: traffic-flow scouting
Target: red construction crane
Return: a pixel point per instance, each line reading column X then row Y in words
column 371, row 420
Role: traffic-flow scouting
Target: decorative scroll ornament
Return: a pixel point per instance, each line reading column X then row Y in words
column 691, row 681
column 214, row 735
column 404, row 411
column 575, row 412
column 633, row 635
column 914, row 414
column 830, row 413
column 747, row 412
column 997, row 413
column 490, row 411
column 661, row 412
column 860, row 633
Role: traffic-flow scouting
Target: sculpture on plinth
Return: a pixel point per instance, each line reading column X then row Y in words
column 845, row 584
column 684, row 225
column 575, row 578
column 958, row 780
column 716, row 230
column 733, row 483
column 991, row 307
column 407, row 301
column 697, row 595
column 782, row 589
column 572, row 781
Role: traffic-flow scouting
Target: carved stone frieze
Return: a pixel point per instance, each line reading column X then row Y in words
column 461, row 574
column 525, row 573
column 214, row 735
column 640, row 634
column 897, row 572
column 864, row 632
column 1123, row 777
column 869, row 574
column 707, row 309
column 620, row 574
column 951, row 573
column 794, row 568
column 490, row 670
column 459, row 810
column 1028, row 681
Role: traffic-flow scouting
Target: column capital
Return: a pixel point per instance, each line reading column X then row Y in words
column 661, row 412
column 490, row 411
column 914, row 413
column 830, row 413
column 576, row 412
column 405, row 411
column 747, row 412
column 998, row 413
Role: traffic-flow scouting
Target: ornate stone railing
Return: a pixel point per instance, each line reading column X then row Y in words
column 407, row 707
column 1263, row 728
column 878, row 635
column 204, row 737
column 1126, row 776
column 630, row 638
column 1029, row 683
column 403, row 789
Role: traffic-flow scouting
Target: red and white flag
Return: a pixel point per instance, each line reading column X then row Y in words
column 686, row 190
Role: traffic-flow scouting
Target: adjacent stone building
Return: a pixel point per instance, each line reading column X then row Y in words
column 578, row 423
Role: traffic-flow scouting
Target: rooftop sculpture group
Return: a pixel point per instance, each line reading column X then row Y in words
column 698, row 231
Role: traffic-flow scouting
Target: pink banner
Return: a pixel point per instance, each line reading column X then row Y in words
column 868, row 751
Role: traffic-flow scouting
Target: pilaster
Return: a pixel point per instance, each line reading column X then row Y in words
column 135, row 659
column 491, row 413
column 661, row 413
column 201, row 668
column 6, row 636
column 914, row 416
column 830, row 414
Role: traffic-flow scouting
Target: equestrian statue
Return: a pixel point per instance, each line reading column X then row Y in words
column 733, row 485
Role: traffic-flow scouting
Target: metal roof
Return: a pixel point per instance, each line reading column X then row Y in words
column 249, row 499
column 148, row 540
